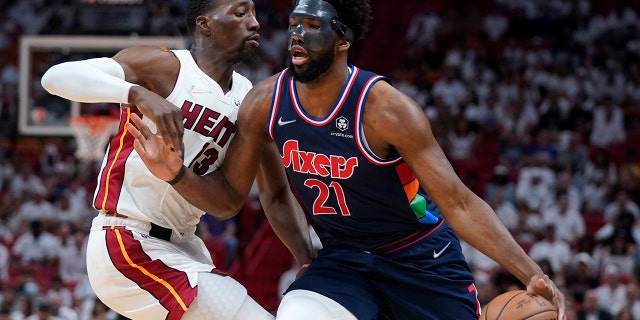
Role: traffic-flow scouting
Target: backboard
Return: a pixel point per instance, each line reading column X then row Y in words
column 47, row 115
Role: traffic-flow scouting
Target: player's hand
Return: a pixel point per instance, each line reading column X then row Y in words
column 541, row 285
column 163, row 161
column 165, row 115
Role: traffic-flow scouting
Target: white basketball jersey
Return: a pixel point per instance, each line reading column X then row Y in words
column 127, row 187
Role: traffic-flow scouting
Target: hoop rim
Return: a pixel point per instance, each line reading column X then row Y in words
column 97, row 124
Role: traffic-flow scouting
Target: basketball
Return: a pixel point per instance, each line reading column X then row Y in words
column 519, row 305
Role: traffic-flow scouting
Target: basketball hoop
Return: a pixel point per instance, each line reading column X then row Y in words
column 92, row 134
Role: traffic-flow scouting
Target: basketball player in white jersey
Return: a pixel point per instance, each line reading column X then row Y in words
column 144, row 260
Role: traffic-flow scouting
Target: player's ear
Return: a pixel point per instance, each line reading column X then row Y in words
column 343, row 44
column 202, row 22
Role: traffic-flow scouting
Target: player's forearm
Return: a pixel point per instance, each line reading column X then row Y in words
column 92, row 80
column 482, row 229
column 290, row 225
column 210, row 193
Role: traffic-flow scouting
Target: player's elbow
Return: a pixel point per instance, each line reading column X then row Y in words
column 53, row 78
column 229, row 207
column 48, row 80
column 227, row 212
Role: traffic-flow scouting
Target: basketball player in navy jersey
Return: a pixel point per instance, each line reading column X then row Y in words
column 374, row 182
column 144, row 259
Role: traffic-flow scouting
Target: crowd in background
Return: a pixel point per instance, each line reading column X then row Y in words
column 536, row 103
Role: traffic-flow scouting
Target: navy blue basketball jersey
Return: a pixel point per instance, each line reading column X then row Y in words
column 354, row 198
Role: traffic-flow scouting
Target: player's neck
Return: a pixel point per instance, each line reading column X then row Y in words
column 317, row 97
column 216, row 67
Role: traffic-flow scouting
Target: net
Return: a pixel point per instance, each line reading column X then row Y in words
column 92, row 134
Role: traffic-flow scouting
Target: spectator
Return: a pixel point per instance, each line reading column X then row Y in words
column 611, row 294
column 619, row 246
column 9, row 205
column 72, row 257
column 59, row 292
column 565, row 218
column 630, row 173
column 5, row 312
column 495, row 24
column 35, row 206
column 621, row 203
column 543, row 146
column 225, row 230
column 591, row 308
column 573, row 155
column 450, row 89
column 624, row 314
column 43, row 311
column 506, row 210
column 22, row 308
column 65, row 212
column 536, row 183
column 518, row 118
column 551, row 248
column 85, row 298
column 60, row 310
column 608, row 125
column 574, row 194
column 500, row 182
column 601, row 167
column 512, row 150
column 99, row 311
column 530, row 224
column 214, row 244
column 633, row 300
column 50, row 160
column 4, row 263
column 581, row 275
column 26, row 180
column 596, row 192
column 423, row 28
column 36, row 245
column 554, row 112
column 461, row 142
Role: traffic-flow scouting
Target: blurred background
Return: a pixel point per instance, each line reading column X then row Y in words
column 535, row 102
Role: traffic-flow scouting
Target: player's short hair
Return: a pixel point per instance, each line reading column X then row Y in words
column 196, row 8
column 356, row 14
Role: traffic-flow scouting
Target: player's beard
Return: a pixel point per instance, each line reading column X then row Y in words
column 314, row 68
column 249, row 57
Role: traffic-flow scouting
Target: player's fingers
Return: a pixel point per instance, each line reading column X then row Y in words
column 139, row 148
column 134, row 132
column 141, row 126
column 178, row 132
column 554, row 295
column 168, row 133
column 543, row 289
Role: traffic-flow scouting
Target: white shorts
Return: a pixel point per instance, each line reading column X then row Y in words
column 142, row 277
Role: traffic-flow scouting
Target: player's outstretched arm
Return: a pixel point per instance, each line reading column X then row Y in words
column 395, row 122
column 141, row 76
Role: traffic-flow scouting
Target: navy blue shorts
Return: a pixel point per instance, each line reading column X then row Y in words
column 428, row 280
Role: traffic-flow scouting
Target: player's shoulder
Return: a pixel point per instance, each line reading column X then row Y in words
column 145, row 52
column 385, row 99
column 150, row 58
column 384, row 93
